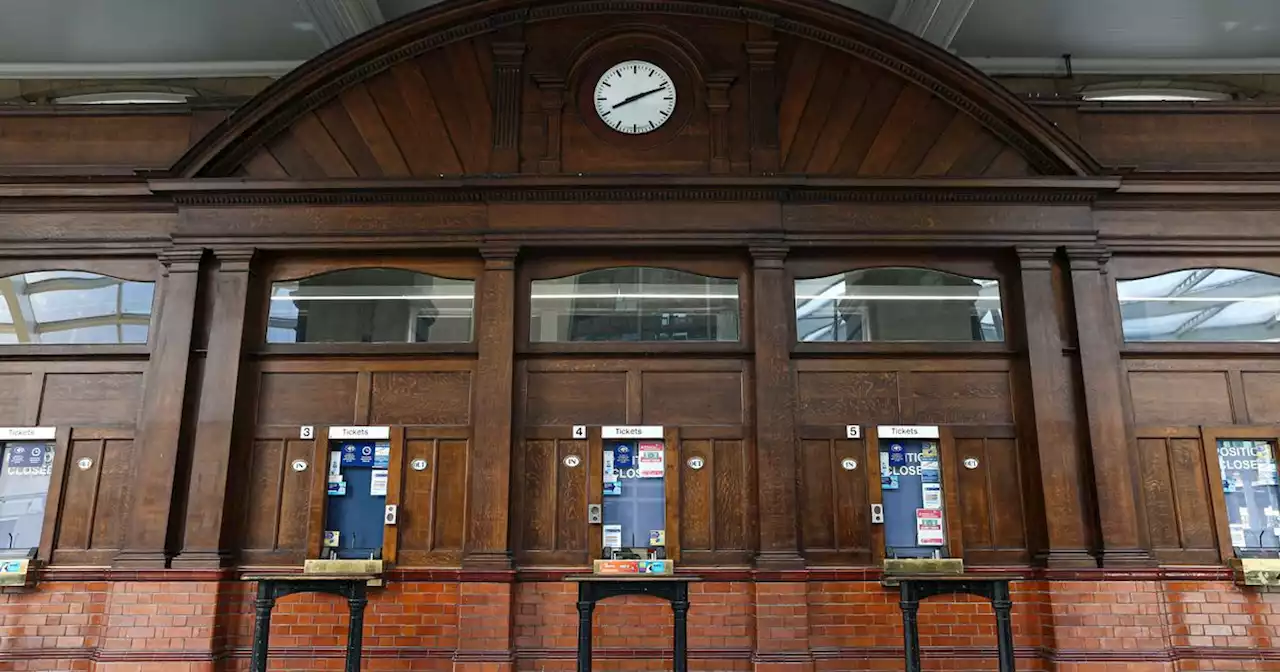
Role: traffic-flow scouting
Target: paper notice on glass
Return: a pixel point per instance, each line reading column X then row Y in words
column 1244, row 516
column 613, row 536
column 335, row 466
column 929, row 527
column 650, row 461
column 378, row 483
column 932, row 495
column 610, row 473
column 1237, row 537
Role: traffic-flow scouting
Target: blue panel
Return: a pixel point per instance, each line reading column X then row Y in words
column 639, row 505
column 356, row 515
column 902, row 483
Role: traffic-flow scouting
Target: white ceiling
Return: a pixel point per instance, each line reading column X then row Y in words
column 173, row 38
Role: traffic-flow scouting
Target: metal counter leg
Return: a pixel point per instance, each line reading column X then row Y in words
column 1004, row 626
column 262, row 626
column 356, row 603
column 910, row 627
column 585, row 607
column 680, row 614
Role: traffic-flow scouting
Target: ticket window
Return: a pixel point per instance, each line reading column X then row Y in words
column 911, row 485
column 356, row 511
column 1251, row 494
column 26, row 472
column 634, row 503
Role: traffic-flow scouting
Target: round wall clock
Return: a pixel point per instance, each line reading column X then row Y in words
column 635, row 97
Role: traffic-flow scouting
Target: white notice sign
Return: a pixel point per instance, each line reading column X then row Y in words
column 378, row 483
column 929, row 527
column 613, row 536
column 631, row 432
column 907, row 432
column 27, row 433
column 932, row 495
column 360, row 433
column 650, row 461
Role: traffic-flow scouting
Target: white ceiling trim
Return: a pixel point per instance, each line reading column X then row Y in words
column 146, row 70
column 937, row 21
column 1127, row 66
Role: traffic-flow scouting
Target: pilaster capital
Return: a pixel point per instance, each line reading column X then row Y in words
column 761, row 52
column 1088, row 257
column 508, row 54
column 499, row 256
column 234, row 260
column 1031, row 258
column 767, row 255
column 182, row 260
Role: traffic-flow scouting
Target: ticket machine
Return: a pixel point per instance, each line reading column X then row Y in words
column 356, row 511
column 634, row 506
column 914, row 510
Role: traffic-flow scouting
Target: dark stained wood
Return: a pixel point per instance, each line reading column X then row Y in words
column 1120, row 515
column 356, row 152
column 1054, row 434
column 409, row 110
column 369, row 123
column 204, row 543
column 775, row 421
column 489, row 468
column 159, row 422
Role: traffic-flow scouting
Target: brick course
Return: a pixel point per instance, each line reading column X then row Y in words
column 824, row 626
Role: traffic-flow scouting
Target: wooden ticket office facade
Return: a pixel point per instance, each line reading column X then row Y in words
column 462, row 144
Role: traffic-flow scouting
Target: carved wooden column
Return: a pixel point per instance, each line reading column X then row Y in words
column 1121, row 517
column 204, row 541
column 160, row 419
column 508, row 57
column 762, row 53
column 487, row 543
column 1055, row 434
column 552, row 91
column 718, row 104
column 775, row 431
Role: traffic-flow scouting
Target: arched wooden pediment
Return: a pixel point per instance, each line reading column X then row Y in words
column 500, row 87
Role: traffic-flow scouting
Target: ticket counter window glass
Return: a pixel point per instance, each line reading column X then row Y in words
column 24, row 488
column 634, row 304
column 898, row 304
column 1204, row 304
column 371, row 305
column 73, row 308
column 1252, row 495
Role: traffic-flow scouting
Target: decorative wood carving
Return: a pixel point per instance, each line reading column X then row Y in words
column 551, row 100
column 508, row 80
column 718, row 104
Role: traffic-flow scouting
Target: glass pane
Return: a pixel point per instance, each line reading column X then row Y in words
column 73, row 307
column 1252, row 494
column 371, row 305
column 1205, row 304
column 634, row 305
column 24, row 486
column 898, row 304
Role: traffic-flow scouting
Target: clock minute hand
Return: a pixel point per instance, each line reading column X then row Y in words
column 638, row 96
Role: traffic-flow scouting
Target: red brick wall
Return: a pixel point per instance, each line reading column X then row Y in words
column 824, row 626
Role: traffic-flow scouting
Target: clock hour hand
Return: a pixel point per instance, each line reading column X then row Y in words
column 638, row 96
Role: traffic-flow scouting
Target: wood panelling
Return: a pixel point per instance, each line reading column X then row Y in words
column 1262, row 396
column 715, row 502
column 278, row 499
column 307, row 398
column 1178, row 494
column 552, row 501
column 831, row 392
column 670, row 398
column 88, row 144
column 586, row 398
column 13, row 392
column 421, row 398
column 1186, row 137
column 93, row 506
column 93, row 399
column 837, row 113
column 991, row 501
column 834, row 503
column 1180, row 398
column 432, row 523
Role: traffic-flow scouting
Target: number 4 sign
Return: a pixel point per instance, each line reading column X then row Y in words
column 579, row 431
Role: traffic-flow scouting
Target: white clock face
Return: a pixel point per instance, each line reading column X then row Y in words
column 635, row 97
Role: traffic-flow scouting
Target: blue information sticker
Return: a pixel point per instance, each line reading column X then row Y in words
column 360, row 454
column 29, row 455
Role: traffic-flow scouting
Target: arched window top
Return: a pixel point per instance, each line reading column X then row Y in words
column 1201, row 304
column 634, row 304
column 898, row 304
column 67, row 307
column 371, row 305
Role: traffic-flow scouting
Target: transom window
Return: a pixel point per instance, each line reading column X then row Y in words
column 1202, row 304
column 371, row 305
column 635, row 304
column 73, row 307
column 898, row 304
